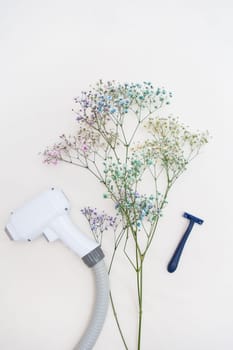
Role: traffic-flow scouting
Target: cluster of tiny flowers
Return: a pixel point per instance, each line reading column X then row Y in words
column 139, row 207
column 146, row 208
column 99, row 221
column 172, row 143
column 121, row 176
column 85, row 141
column 105, row 102
column 108, row 99
column 52, row 155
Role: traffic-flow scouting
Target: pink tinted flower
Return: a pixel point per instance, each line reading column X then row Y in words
column 52, row 156
column 84, row 147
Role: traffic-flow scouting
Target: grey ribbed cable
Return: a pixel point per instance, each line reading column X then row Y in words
column 100, row 308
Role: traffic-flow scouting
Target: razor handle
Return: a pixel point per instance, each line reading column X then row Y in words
column 172, row 266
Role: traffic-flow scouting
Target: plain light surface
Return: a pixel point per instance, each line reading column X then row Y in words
column 50, row 51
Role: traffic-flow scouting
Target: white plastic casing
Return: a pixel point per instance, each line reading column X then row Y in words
column 48, row 214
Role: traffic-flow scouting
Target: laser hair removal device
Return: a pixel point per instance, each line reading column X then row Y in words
column 48, row 214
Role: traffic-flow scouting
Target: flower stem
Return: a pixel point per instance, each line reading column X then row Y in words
column 117, row 321
column 121, row 235
column 140, row 298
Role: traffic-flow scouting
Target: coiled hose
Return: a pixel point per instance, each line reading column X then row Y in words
column 100, row 308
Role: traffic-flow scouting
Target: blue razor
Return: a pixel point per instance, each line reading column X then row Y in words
column 172, row 266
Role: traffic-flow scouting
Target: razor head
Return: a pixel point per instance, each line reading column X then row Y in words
column 193, row 218
column 33, row 217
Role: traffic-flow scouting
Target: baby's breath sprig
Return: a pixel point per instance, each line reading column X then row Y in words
column 123, row 140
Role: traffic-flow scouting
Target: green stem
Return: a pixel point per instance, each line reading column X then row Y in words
column 140, row 301
column 117, row 321
column 117, row 242
column 110, row 293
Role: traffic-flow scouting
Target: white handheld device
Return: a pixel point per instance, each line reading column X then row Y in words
column 48, row 214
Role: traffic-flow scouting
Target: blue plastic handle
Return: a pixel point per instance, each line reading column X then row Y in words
column 172, row 266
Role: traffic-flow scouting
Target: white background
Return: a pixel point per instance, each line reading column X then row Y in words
column 50, row 51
